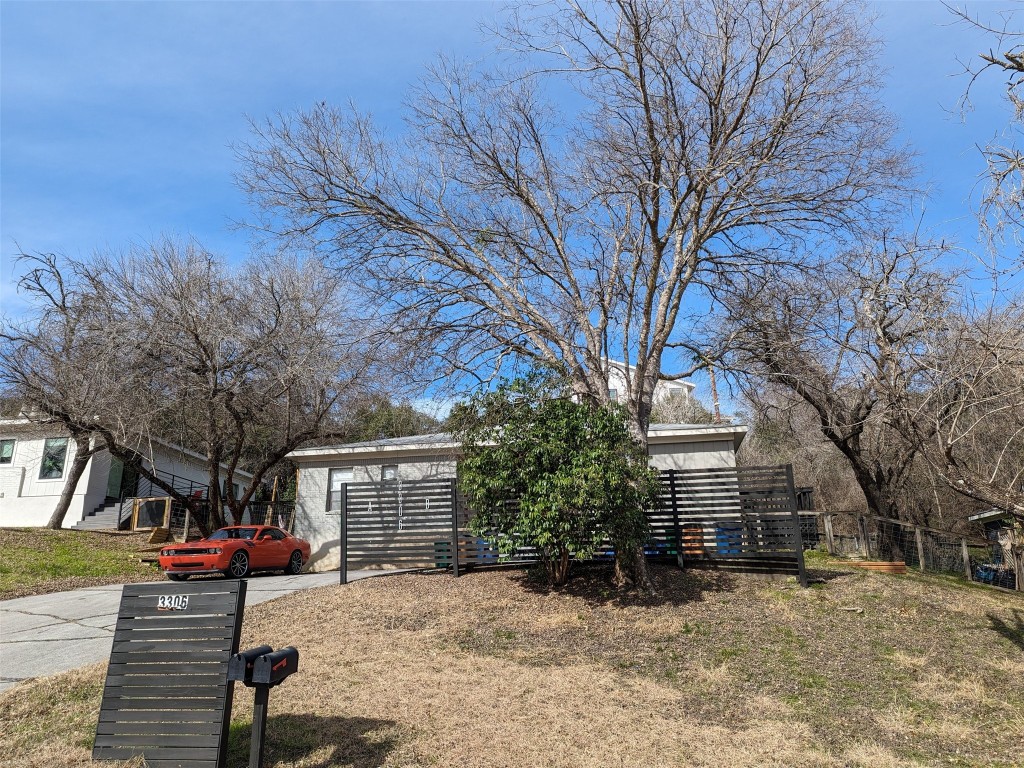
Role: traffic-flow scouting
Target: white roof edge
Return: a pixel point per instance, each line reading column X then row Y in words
column 20, row 422
column 989, row 514
column 658, row 434
column 409, row 449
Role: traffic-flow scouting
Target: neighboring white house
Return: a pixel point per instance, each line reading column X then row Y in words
column 35, row 460
column 322, row 471
column 618, row 373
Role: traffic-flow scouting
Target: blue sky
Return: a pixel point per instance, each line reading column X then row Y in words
column 117, row 118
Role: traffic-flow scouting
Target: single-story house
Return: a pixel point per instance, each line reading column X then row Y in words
column 323, row 470
column 34, row 462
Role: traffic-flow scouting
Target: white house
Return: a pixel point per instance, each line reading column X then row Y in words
column 322, row 471
column 34, row 462
column 620, row 374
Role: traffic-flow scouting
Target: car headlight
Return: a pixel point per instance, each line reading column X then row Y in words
column 216, row 551
column 165, row 552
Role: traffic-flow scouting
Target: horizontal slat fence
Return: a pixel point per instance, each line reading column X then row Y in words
column 401, row 524
column 736, row 518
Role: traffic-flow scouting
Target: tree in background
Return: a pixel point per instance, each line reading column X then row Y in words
column 544, row 470
column 681, row 409
column 65, row 366
column 378, row 416
column 852, row 342
column 168, row 343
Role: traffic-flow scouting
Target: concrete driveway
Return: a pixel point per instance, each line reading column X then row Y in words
column 47, row 634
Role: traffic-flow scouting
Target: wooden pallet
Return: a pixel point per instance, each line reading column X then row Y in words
column 879, row 566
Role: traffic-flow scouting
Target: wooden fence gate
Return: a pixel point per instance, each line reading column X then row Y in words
column 740, row 518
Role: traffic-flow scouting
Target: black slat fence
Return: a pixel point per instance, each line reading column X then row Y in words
column 737, row 518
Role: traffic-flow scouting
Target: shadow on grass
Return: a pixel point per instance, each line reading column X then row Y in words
column 315, row 741
column 1013, row 632
column 592, row 582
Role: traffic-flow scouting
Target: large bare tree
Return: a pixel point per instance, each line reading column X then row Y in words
column 583, row 203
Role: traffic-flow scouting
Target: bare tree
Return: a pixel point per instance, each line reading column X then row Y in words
column 244, row 365
column 64, row 365
column 1001, row 209
column 851, row 342
column 970, row 415
column 505, row 225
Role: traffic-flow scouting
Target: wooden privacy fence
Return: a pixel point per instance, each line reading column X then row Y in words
column 734, row 518
column 737, row 518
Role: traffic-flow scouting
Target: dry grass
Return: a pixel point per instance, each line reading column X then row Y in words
column 490, row 671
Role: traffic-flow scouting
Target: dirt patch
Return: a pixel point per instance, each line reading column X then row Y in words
column 491, row 670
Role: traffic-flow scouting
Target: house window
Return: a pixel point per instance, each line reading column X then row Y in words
column 389, row 472
column 6, row 451
column 235, row 490
column 613, row 395
column 55, row 451
column 336, row 478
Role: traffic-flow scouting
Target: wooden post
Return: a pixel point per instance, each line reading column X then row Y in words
column 273, row 491
column 798, row 539
column 865, row 542
column 830, row 540
column 675, row 518
column 967, row 558
column 343, row 534
column 920, row 548
column 455, row 529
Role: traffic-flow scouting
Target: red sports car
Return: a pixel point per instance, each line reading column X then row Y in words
column 235, row 551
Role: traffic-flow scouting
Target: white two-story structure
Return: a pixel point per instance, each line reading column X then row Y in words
column 35, row 460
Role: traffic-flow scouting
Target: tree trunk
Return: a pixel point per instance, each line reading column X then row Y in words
column 83, row 452
column 558, row 568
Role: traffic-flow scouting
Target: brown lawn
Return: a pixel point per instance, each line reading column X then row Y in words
column 490, row 671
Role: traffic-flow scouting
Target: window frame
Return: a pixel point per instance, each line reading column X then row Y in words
column 351, row 471
column 63, row 459
column 384, row 473
column 10, row 459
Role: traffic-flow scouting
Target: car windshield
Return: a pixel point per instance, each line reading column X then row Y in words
column 232, row 533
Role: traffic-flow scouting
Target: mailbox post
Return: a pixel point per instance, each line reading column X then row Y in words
column 262, row 668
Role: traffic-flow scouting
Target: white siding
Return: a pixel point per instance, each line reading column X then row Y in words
column 320, row 529
column 34, row 504
column 700, row 455
column 27, row 501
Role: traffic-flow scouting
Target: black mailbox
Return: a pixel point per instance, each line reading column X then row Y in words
column 272, row 668
column 240, row 665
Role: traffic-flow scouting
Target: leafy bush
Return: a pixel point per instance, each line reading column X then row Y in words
column 546, row 471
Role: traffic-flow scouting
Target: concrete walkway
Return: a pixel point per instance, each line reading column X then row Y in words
column 47, row 634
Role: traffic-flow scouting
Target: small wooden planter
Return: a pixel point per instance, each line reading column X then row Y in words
column 881, row 566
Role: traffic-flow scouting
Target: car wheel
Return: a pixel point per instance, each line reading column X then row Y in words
column 177, row 576
column 295, row 564
column 238, row 567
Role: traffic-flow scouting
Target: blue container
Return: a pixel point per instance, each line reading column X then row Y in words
column 729, row 539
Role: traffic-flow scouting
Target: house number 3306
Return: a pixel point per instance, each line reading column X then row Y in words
column 172, row 602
